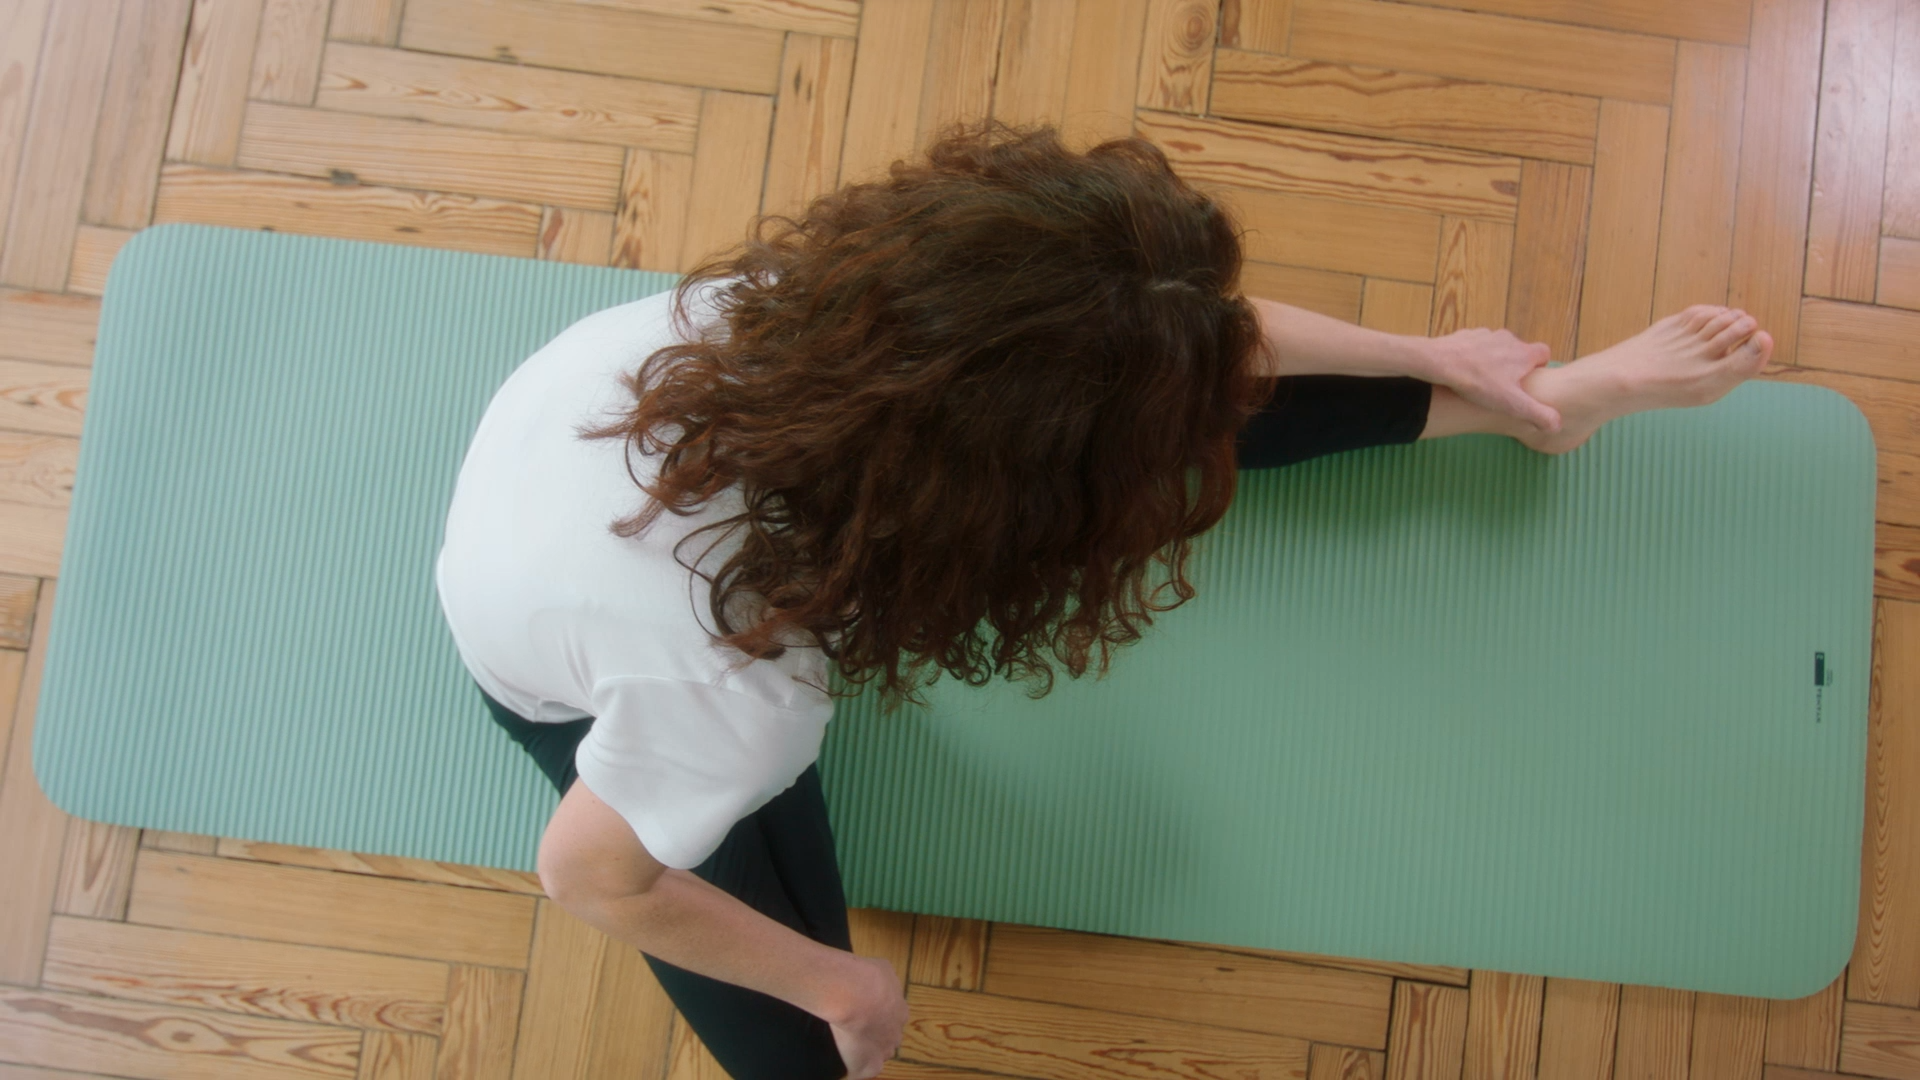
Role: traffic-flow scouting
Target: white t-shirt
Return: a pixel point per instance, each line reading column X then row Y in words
column 559, row 619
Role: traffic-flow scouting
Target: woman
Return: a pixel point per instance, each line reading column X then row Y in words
column 958, row 422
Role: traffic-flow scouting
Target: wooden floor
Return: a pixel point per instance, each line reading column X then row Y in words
column 1568, row 168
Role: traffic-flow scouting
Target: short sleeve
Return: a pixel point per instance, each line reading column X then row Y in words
column 683, row 761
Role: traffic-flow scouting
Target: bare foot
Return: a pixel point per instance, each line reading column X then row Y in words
column 1690, row 358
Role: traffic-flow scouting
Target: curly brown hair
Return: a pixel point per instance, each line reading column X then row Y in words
column 968, row 408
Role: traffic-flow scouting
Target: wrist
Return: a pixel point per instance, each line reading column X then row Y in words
column 1423, row 358
column 841, row 990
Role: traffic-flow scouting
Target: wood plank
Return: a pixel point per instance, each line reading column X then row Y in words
column 833, row 18
column 885, row 934
column 1578, row 1023
column 36, row 829
column 1780, row 1072
column 1176, row 56
column 286, row 58
column 729, row 165
column 1850, row 149
column 37, row 469
column 1899, row 273
column 1805, row 1032
column 1263, row 25
column 1404, row 106
column 1729, row 1037
column 214, row 73
column 45, row 398
column 1896, row 576
column 1345, row 1062
column 1549, row 255
column 691, row 1059
column 131, row 136
column 1503, row 1026
column 18, row 596
column 1332, row 166
column 632, row 1020
column 883, row 107
column 1470, row 288
column 183, row 842
column 316, row 907
column 1397, row 307
column 1892, row 408
column 1900, row 212
column 606, row 41
column 1376, row 241
column 23, row 25
column 482, row 1011
column 366, row 22
column 48, row 326
column 1624, row 232
column 650, row 233
column 1656, row 1029
column 1036, row 56
column 1428, row 1040
column 963, row 53
column 30, row 541
column 337, row 986
column 508, row 98
column 1860, row 339
column 1469, row 45
column 1335, row 295
column 96, row 870
column 92, row 1034
column 1897, row 501
column 809, row 123
column 1880, row 1040
column 250, row 200
column 1104, row 73
column 94, row 249
column 575, row 236
column 948, row 952
column 1886, row 960
column 1030, row 1038
column 37, row 248
column 1450, row 976
column 1703, row 166
column 396, row 1055
column 396, row 866
column 407, row 153
column 563, row 977
column 1183, row 983
column 1724, row 21
column 1776, row 169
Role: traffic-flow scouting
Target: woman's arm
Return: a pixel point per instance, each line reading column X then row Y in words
column 1303, row 342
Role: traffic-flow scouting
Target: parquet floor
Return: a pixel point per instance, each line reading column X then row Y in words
column 1567, row 168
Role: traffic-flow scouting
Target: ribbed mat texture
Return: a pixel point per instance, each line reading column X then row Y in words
column 1600, row 715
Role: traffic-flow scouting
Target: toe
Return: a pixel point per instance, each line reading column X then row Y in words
column 1699, row 315
column 1758, row 349
column 1731, row 335
column 1714, row 327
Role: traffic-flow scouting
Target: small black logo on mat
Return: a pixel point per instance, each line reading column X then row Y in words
column 1822, row 678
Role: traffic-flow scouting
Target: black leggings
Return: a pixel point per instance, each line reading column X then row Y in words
column 779, row 860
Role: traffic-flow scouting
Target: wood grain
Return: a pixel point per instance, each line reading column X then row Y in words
column 885, row 934
column 1776, row 168
column 1469, row 45
column 607, row 41
column 1331, row 294
column 1503, row 1026
column 36, row 829
column 1805, row 1032
column 1579, row 1021
column 508, row 98
column 1656, row 1031
column 650, row 233
column 575, row 236
column 632, row 1019
column 23, row 25
column 883, row 106
column 1176, row 55
column 1703, row 166
column 809, row 123
column 368, row 22
column 256, row 200
column 286, row 56
column 1263, row 25
column 1397, row 307
column 395, row 866
column 44, row 398
column 94, row 249
column 1404, row 106
column 1892, row 408
column 1103, row 76
column 18, row 596
column 834, row 18
column 948, row 952
column 30, row 542
column 1470, row 288
column 1880, row 1040
column 1036, row 57
column 1850, row 150
column 253, row 978
column 1188, row 983
column 1332, row 166
column 1353, row 238
column 1028, row 1038
column 48, row 327
column 131, row 137
column 1886, row 961
column 37, row 469
column 96, row 870
column 1429, row 1036
column 1899, row 273
column 37, row 247
column 963, row 53
column 1724, row 21
column 1900, row 212
column 482, row 1010
column 1860, row 339
column 1896, row 576
column 1549, row 255
column 346, row 148
column 729, row 164
column 306, row 907
column 1729, row 1037
column 563, row 976
column 1345, row 1063
column 1624, row 233
column 214, row 73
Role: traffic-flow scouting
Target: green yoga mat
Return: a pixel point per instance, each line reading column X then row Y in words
column 1598, row 716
